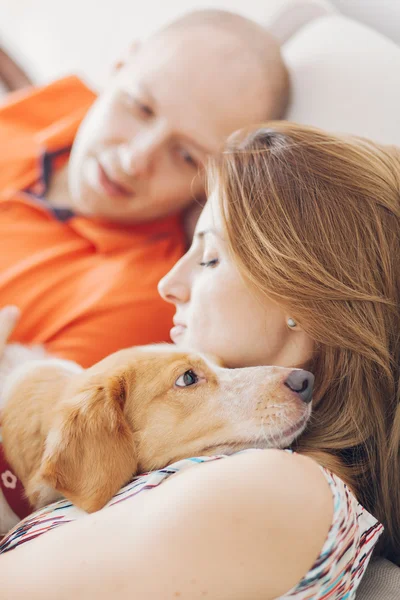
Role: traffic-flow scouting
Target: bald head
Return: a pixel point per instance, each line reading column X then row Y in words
column 170, row 105
column 248, row 43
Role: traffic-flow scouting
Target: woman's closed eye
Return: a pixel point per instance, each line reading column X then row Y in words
column 209, row 263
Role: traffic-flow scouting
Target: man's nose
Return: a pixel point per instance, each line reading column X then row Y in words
column 172, row 289
column 139, row 155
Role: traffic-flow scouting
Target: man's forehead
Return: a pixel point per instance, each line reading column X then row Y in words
column 205, row 95
column 201, row 55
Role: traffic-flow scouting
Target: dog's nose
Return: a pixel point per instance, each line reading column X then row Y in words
column 301, row 382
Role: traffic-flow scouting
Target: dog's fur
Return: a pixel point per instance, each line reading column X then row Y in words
column 82, row 434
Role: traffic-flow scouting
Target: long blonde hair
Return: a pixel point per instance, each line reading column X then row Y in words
column 313, row 221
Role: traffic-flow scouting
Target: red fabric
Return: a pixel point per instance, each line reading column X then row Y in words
column 13, row 489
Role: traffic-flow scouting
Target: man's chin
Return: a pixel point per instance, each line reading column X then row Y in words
column 95, row 207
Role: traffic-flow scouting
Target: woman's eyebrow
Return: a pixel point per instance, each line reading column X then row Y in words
column 202, row 234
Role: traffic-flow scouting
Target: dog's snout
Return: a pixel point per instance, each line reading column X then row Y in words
column 301, row 382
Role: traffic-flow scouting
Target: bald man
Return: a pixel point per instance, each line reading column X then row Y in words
column 173, row 102
column 95, row 186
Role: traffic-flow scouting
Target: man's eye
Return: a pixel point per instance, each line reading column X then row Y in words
column 209, row 263
column 187, row 158
column 187, row 379
column 133, row 103
column 144, row 109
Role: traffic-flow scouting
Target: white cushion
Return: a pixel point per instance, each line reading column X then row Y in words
column 345, row 78
column 291, row 15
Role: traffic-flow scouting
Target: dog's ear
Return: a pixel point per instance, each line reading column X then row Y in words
column 90, row 452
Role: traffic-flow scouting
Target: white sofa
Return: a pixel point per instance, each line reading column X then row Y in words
column 345, row 77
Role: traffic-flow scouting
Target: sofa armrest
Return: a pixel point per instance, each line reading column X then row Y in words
column 380, row 582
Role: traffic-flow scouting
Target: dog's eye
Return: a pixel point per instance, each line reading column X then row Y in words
column 188, row 378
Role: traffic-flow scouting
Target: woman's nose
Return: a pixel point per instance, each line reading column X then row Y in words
column 172, row 289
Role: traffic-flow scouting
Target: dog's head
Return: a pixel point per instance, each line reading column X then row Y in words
column 142, row 408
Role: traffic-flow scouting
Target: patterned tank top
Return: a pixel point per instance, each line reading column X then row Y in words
column 335, row 575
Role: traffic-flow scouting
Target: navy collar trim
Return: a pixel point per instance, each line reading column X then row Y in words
column 39, row 189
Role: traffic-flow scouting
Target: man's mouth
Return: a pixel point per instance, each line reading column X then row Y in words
column 110, row 186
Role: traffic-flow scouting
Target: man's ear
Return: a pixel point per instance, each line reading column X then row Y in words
column 90, row 452
column 133, row 48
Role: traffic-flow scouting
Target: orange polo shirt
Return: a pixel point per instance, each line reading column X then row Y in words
column 85, row 288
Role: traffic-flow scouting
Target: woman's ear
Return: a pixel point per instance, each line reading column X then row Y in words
column 90, row 452
column 293, row 324
column 300, row 347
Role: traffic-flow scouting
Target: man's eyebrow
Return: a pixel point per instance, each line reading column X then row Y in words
column 187, row 139
column 196, row 145
column 144, row 90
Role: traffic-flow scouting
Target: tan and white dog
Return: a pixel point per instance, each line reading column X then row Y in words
column 83, row 433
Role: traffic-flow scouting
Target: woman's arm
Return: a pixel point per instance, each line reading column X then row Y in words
column 246, row 527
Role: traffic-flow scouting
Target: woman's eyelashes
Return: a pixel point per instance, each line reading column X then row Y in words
column 209, row 263
column 207, row 254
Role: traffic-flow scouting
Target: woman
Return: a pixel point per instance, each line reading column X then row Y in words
column 295, row 262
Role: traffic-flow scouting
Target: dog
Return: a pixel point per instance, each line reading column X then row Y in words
column 84, row 433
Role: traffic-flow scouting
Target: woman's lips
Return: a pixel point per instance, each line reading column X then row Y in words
column 177, row 331
column 111, row 188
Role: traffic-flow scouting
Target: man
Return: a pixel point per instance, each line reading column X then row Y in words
column 87, row 231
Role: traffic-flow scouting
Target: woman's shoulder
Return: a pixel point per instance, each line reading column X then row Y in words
column 279, row 505
column 274, row 472
column 307, row 520
column 281, row 477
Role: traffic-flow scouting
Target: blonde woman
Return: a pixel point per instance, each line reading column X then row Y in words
column 295, row 262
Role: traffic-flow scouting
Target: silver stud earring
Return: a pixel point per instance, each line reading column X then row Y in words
column 291, row 323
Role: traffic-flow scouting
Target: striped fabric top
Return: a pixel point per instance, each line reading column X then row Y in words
column 335, row 574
